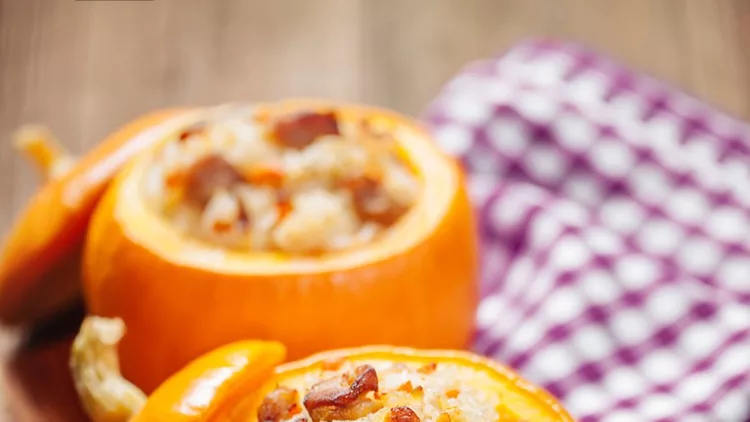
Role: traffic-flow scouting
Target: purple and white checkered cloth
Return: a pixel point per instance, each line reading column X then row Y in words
column 615, row 216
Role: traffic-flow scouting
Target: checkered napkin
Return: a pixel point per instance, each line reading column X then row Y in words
column 615, row 219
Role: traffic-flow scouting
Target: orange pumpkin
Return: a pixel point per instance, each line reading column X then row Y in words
column 245, row 381
column 40, row 258
column 236, row 389
column 181, row 297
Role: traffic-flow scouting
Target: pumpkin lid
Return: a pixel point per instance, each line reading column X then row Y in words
column 39, row 258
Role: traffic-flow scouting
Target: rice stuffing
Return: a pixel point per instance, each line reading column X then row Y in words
column 299, row 183
column 369, row 391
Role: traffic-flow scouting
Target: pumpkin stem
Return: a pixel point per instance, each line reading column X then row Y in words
column 106, row 396
column 42, row 148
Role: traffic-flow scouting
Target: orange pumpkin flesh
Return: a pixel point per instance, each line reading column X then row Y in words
column 181, row 298
column 39, row 263
column 519, row 400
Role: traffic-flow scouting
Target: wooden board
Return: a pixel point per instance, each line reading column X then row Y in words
column 85, row 67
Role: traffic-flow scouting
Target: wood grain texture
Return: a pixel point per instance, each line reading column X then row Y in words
column 85, row 67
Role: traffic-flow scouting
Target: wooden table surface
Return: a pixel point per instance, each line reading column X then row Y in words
column 85, row 67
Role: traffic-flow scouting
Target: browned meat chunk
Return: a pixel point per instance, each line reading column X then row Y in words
column 343, row 397
column 372, row 203
column 402, row 414
column 303, row 129
column 282, row 403
column 207, row 176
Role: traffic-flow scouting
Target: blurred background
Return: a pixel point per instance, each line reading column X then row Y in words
column 85, row 67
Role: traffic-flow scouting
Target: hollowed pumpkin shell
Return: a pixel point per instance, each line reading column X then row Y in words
column 180, row 298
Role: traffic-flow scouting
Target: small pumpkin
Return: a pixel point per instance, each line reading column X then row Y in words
column 180, row 296
column 245, row 381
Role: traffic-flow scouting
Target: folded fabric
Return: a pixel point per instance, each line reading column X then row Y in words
column 615, row 219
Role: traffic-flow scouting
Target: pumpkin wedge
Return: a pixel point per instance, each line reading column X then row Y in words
column 40, row 256
column 244, row 381
column 317, row 224
column 385, row 383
